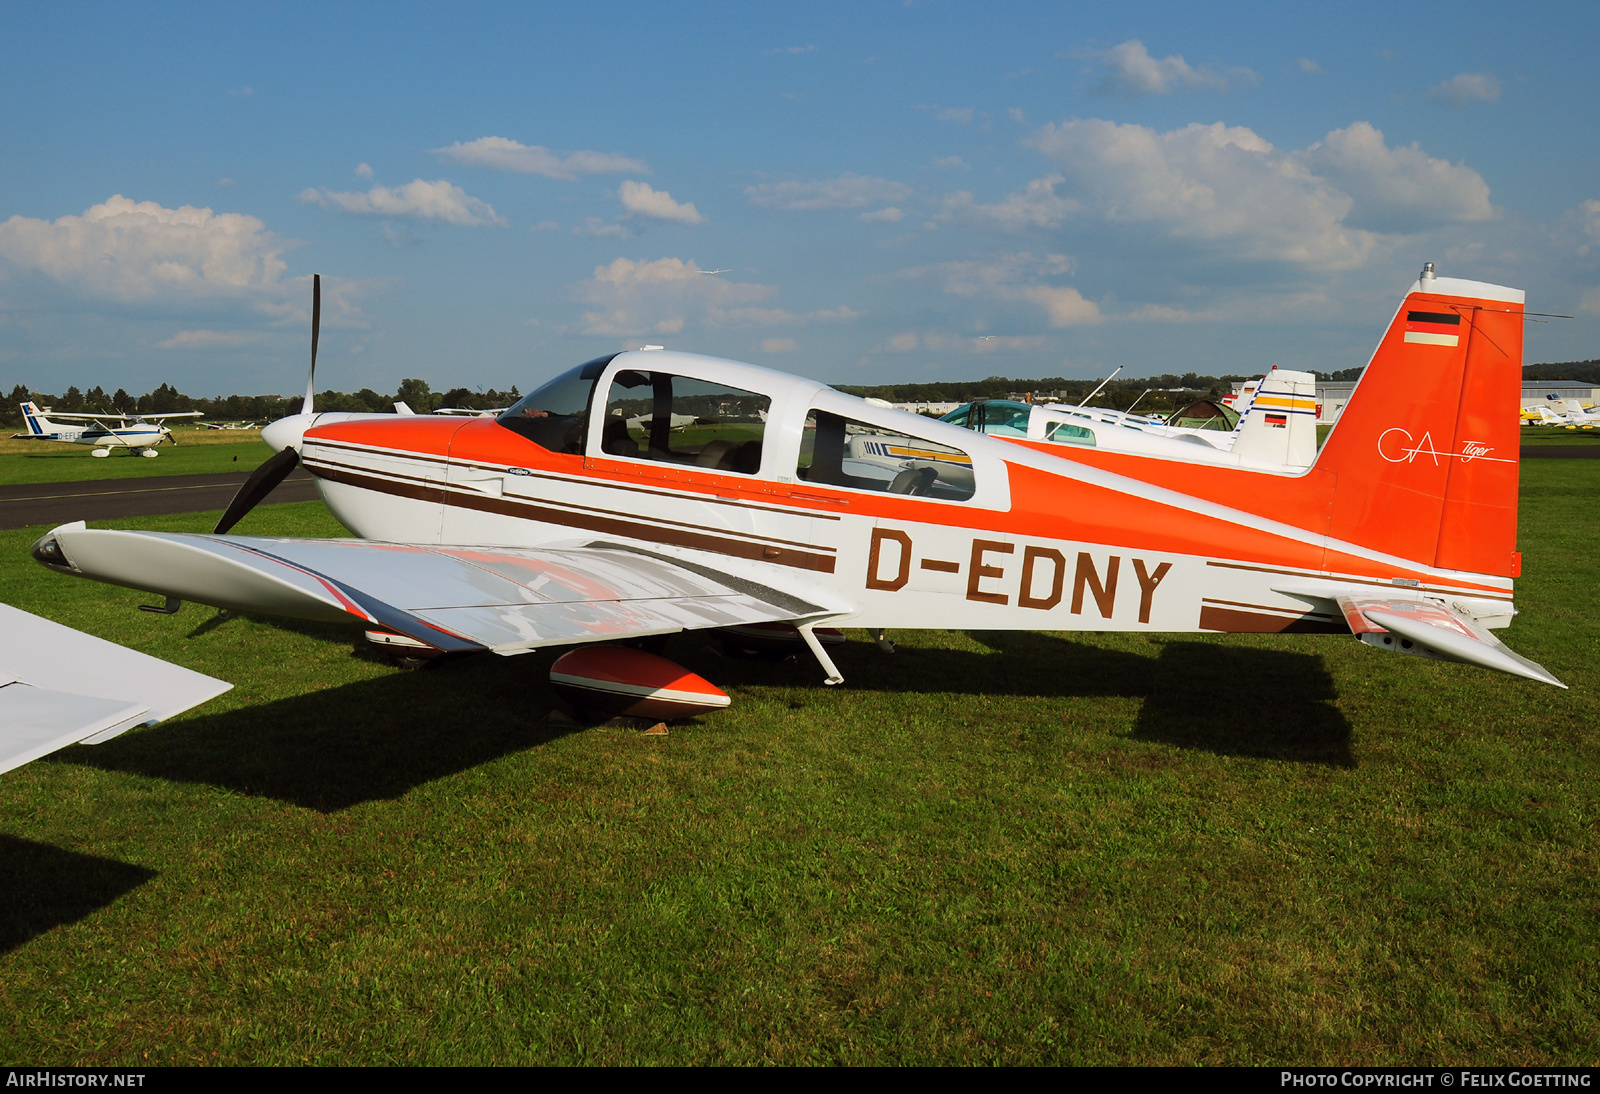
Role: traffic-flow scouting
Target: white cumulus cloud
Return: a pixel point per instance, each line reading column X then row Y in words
column 644, row 200
column 631, row 298
column 419, row 200
column 1129, row 70
column 211, row 339
column 1014, row 278
column 1221, row 185
column 1037, row 205
column 136, row 251
column 1466, row 88
column 1397, row 189
column 1230, row 194
column 502, row 154
column 941, row 342
column 888, row 215
column 845, row 192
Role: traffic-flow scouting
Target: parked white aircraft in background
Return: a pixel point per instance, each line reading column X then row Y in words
column 138, row 433
column 1277, row 428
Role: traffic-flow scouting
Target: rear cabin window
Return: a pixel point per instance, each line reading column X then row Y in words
column 677, row 419
column 1067, row 433
column 839, row 451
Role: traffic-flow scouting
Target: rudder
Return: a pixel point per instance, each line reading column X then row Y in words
column 1425, row 452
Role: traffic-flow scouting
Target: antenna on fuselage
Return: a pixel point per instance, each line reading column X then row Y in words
column 1103, row 383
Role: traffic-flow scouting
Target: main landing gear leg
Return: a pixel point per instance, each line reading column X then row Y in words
column 820, row 654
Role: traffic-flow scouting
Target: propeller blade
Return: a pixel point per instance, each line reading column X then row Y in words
column 257, row 487
column 316, row 327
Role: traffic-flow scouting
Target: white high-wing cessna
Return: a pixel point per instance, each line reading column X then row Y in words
column 138, row 433
column 563, row 521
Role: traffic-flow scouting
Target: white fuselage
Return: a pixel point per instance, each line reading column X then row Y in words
column 934, row 563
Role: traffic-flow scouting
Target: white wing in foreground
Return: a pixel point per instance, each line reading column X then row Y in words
column 508, row 600
column 59, row 687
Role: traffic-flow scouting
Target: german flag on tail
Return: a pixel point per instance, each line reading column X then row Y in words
column 1433, row 328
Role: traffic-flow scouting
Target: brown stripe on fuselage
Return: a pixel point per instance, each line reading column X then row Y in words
column 1235, row 621
column 593, row 522
column 326, row 463
column 1478, row 591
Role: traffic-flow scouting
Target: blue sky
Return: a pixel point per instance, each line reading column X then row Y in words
column 895, row 191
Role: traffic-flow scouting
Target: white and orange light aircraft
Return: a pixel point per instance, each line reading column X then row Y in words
column 585, row 514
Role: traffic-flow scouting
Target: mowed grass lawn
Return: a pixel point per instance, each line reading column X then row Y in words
column 1029, row 848
column 198, row 452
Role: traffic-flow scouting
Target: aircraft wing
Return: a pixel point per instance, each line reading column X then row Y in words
column 59, row 687
column 1424, row 627
column 455, row 599
column 83, row 416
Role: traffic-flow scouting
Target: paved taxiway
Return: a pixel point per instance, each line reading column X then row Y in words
column 1560, row 452
column 113, row 499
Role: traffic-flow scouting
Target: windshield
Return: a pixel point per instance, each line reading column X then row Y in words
column 554, row 416
column 1000, row 416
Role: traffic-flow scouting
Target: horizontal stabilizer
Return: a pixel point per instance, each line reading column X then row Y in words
column 1430, row 628
column 59, row 687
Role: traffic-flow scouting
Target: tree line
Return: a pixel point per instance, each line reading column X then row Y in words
column 1171, row 392
column 1166, row 391
column 258, row 408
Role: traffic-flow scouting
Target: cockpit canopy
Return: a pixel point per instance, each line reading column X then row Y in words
column 998, row 417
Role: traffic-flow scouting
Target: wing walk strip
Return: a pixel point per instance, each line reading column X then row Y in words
column 593, row 522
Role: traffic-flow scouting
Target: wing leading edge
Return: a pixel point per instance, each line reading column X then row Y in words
column 507, row 600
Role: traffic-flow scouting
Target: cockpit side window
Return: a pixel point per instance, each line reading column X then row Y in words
column 839, row 451
column 554, row 416
column 667, row 418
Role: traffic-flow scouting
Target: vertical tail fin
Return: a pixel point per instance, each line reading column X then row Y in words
column 38, row 424
column 1426, row 449
column 1279, row 423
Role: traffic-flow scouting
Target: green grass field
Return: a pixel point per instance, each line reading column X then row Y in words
column 986, row 848
column 198, row 452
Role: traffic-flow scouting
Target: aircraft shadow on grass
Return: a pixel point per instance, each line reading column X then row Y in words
column 1234, row 701
column 47, row 887
column 377, row 739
